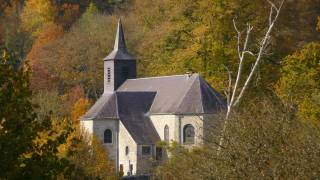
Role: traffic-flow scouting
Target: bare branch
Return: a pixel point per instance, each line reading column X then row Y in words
column 258, row 59
column 270, row 15
column 249, row 29
column 235, row 26
column 233, row 98
column 249, row 52
column 272, row 6
column 238, row 37
column 228, row 93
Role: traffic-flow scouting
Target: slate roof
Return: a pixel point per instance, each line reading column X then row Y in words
column 133, row 108
column 180, row 94
column 105, row 107
column 119, row 50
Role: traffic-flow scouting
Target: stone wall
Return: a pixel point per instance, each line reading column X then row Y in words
column 160, row 121
column 125, row 140
column 176, row 124
column 145, row 163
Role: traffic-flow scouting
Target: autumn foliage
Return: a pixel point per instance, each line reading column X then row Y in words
column 64, row 42
column 80, row 108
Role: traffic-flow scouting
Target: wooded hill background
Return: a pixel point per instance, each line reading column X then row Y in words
column 64, row 42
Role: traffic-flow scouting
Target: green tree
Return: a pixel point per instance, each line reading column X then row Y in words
column 91, row 160
column 76, row 57
column 300, row 82
column 263, row 141
column 21, row 156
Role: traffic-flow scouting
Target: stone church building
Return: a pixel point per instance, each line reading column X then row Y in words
column 134, row 114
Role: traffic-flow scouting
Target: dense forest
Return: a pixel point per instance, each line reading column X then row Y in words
column 51, row 71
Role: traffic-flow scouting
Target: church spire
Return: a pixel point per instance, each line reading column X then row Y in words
column 119, row 65
column 119, row 50
column 120, row 43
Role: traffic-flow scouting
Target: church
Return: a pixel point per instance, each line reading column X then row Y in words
column 134, row 115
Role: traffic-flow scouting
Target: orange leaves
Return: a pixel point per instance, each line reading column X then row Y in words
column 41, row 78
column 48, row 33
column 36, row 13
column 80, row 108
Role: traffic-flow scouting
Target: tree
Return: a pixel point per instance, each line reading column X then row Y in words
column 235, row 93
column 318, row 26
column 21, row 156
column 36, row 13
column 76, row 57
column 16, row 114
column 12, row 35
column 264, row 141
column 299, row 84
column 80, row 108
column 41, row 78
column 91, row 160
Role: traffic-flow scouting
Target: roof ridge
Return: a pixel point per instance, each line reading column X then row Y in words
column 201, row 94
column 155, row 77
column 186, row 92
column 117, row 106
column 201, row 80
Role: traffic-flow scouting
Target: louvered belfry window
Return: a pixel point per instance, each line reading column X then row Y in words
column 108, row 75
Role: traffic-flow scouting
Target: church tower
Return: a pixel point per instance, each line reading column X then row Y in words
column 119, row 65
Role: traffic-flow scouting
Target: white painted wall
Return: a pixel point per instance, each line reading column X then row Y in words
column 99, row 126
column 160, row 121
column 87, row 126
column 125, row 139
column 176, row 124
column 122, row 138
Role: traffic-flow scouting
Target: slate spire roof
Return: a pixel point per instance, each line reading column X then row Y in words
column 120, row 51
column 120, row 42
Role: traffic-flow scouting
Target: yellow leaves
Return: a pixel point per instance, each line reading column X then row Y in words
column 299, row 84
column 309, row 109
column 80, row 108
column 36, row 13
column 59, row 126
column 200, row 30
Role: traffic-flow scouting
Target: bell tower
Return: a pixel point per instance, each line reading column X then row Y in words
column 119, row 65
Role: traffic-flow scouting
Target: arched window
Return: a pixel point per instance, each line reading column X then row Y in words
column 107, row 136
column 127, row 150
column 166, row 134
column 188, row 134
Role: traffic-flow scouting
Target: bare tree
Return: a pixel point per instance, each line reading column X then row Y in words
column 235, row 92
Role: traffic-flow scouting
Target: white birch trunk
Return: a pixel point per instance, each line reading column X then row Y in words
column 233, row 98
